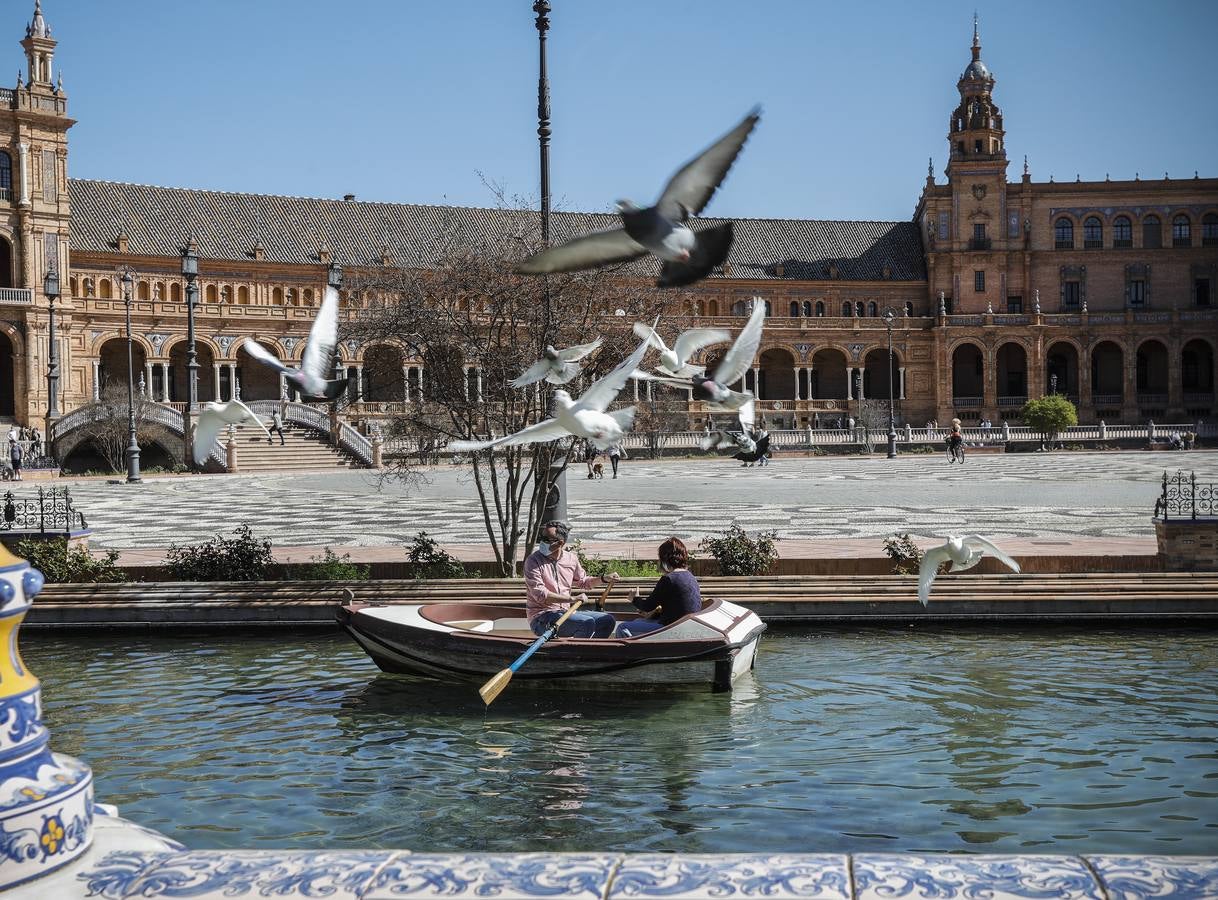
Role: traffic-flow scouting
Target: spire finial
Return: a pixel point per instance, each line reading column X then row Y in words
column 1025, row 164
column 976, row 38
column 930, row 167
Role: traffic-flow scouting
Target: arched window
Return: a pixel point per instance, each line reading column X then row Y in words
column 103, row 288
column 1152, row 233
column 872, row 309
column 243, row 296
column 211, row 294
column 820, row 309
column 808, row 308
column 847, row 309
column 1209, row 230
column 1181, row 231
column 277, row 296
column 859, row 309
column 6, row 176
column 175, row 292
column 1093, row 234
column 1122, row 232
column 1063, row 234
column 794, row 309
column 141, row 290
column 909, row 308
column 308, row 296
column 768, row 311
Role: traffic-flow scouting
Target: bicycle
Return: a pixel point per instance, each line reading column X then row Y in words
column 956, row 453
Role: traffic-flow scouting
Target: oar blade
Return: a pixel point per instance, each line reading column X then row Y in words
column 495, row 686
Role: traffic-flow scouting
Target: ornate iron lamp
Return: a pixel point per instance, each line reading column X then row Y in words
column 133, row 447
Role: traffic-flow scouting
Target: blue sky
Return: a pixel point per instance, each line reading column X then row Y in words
column 418, row 102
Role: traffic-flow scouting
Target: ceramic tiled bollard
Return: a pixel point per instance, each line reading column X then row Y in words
column 46, row 799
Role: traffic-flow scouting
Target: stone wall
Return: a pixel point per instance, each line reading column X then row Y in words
column 1188, row 545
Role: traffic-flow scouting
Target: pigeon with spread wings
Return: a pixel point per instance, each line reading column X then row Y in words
column 675, row 362
column 662, row 230
column 586, row 417
column 963, row 553
column 311, row 379
column 214, row 418
column 555, row 366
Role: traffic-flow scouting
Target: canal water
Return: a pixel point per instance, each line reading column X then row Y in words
column 862, row 740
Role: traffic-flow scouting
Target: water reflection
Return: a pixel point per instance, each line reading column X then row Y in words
column 842, row 740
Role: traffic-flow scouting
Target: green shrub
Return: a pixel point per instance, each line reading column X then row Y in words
column 241, row 558
column 332, row 567
column 918, row 449
column 739, row 554
column 904, row 553
column 1049, row 415
column 63, row 564
column 427, row 560
column 627, row 568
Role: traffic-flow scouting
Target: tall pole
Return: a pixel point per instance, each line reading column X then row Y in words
column 50, row 287
column 889, row 316
column 556, row 497
column 190, row 271
column 133, row 448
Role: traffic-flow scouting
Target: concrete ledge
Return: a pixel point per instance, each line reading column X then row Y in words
column 1057, row 598
column 383, row 874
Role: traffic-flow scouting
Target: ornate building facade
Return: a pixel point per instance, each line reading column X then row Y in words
column 1000, row 290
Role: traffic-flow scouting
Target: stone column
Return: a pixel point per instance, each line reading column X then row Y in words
column 406, row 383
column 478, row 383
column 359, row 382
column 96, row 380
column 811, row 373
column 465, row 381
column 635, row 382
column 901, row 383
column 148, row 391
column 283, row 386
column 649, row 392
column 165, row 382
column 215, row 371
column 757, row 382
column 798, row 370
column 23, row 151
column 422, row 391
column 849, row 382
column 234, row 389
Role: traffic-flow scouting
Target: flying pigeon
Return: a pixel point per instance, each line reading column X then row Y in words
column 738, row 359
column 963, row 553
column 214, row 418
column 737, row 439
column 661, row 230
column 555, row 366
column 311, row 378
column 585, row 417
column 675, row 362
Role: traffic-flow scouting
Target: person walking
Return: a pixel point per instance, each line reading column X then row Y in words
column 276, row 427
column 616, row 452
column 15, row 454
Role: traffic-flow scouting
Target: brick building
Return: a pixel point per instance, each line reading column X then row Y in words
column 1001, row 290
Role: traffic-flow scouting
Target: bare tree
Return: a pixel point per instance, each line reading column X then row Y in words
column 107, row 429
column 473, row 326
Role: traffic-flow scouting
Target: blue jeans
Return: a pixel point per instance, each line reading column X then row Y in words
column 636, row 627
column 580, row 624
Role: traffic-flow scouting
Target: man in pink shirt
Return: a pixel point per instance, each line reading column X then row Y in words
column 550, row 573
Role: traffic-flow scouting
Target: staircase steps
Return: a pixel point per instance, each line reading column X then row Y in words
column 303, row 449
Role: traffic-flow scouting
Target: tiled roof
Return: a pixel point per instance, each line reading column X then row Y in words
column 157, row 222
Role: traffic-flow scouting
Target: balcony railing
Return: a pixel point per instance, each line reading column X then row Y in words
column 1198, row 399
column 967, row 402
column 1107, row 399
column 1152, row 399
column 16, row 296
column 980, row 243
column 1011, row 402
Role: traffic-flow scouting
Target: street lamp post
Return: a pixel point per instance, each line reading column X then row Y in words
column 889, row 317
column 50, row 287
column 190, row 271
column 1052, row 384
column 133, row 447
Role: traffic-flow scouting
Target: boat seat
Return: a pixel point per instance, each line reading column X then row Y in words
column 521, row 625
column 473, row 624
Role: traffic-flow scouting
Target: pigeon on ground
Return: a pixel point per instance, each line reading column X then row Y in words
column 311, row 378
column 555, row 366
column 963, row 553
column 214, row 418
column 674, row 363
column 758, row 452
column 661, row 230
column 586, row 417
column 738, row 359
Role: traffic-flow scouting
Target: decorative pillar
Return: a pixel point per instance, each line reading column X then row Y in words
column 165, row 382
column 359, row 382
column 465, row 381
column 148, row 391
column 649, row 392
column 23, row 151
column 215, row 371
column 849, row 382
column 478, row 383
column 234, row 389
column 47, row 814
column 901, row 383
column 283, row 386
column 422, row 390
column 635, row 382
column 811, row 374
column 406, row 383
column 798, row 372
column 96, row 380
column 757, row 382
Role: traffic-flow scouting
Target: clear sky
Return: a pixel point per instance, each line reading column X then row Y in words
column 419, row 102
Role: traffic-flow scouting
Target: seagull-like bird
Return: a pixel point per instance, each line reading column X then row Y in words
column 739, row 358
column 318, row 363
column 214, row 418
column 585, row 417
column 674, row 363
column 963, row 553
column 661, row 230
column 555, row 366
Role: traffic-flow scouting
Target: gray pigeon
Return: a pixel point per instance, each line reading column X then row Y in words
column 661, row 230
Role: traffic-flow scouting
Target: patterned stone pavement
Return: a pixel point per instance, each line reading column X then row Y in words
column 1054, row 495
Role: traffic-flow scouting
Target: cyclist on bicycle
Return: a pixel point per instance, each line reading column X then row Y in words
column 955, row 442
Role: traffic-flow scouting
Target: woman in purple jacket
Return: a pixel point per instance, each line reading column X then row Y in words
column 675, row 595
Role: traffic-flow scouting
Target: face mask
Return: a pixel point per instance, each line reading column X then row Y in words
column 543, row 547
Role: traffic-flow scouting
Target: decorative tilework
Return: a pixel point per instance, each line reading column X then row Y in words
column 884, row 877
column 520, row 876
column 707, row 877
column 1178, row 877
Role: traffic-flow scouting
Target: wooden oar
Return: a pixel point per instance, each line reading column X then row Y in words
column 495, row 686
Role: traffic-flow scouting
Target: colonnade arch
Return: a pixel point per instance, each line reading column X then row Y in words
column 1107, row 371
column 1061, row 369
column 968, row 371
column 1152, row 368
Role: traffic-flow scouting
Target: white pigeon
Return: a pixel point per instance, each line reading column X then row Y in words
column 214, row 418
column 312, row 378
column 586, row 418
column 661, row 230
column 728, row 439
column 738, row 360
column 675, row 362
column 964, row 553
column 555, row 366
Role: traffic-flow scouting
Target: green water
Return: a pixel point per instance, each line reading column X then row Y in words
column 1064, row 741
